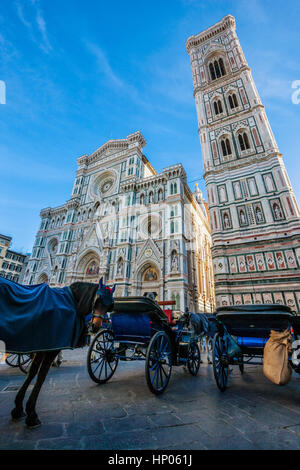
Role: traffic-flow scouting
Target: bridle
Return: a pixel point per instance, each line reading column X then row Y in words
column 100, row 315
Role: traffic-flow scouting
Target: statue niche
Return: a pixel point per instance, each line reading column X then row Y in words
column 174, row 262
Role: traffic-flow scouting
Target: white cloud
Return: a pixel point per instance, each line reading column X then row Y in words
column 37, row 28
column 104, row 65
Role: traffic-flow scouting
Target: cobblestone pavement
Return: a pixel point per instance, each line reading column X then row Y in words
column 123, row 414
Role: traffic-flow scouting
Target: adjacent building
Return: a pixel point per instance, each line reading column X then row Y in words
column 11, row 262
column 143, row 230
column 254, row 215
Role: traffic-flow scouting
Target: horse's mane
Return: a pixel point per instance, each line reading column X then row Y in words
column 84, row 295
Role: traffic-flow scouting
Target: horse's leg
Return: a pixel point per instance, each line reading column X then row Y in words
column 18, row 413
column 32, row 419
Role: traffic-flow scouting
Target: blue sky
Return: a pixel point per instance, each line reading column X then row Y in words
column 81, row 72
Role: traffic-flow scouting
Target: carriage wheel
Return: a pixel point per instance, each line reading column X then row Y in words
column 101, row 358
column 25, row 361
column 158, row 364
column 194, row 358
column 220, row 364
column 12, row 360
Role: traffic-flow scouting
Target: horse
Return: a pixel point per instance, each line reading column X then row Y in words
column 85, row 298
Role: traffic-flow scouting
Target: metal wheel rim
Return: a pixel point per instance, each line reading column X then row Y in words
column 25, row 361
column 12, row 360
column 160, row 363
column 102, row 345
column 220, row 372
column 194, row 359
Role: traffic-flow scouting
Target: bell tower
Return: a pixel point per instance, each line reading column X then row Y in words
column 254, row 215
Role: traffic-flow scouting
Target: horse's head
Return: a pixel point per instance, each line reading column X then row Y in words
column 104, row 303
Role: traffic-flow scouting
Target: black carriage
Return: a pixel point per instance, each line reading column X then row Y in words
column 139, row 330
column 249, row 326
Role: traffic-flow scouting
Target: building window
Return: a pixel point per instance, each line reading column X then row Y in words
column 217, row 69
column 173, row 188
column 218, row 107
column 233, row 102
column 226, row 147
column 244, row 141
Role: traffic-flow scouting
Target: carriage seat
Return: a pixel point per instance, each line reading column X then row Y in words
column 255, row 321
column 132, row 306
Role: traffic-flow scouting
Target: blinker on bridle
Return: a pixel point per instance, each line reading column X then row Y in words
column 105, row 294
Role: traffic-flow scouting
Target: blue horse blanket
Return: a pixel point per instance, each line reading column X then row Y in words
column 38, row 318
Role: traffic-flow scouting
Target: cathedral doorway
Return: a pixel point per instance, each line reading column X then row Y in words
column 88, row 268
column 149, row 280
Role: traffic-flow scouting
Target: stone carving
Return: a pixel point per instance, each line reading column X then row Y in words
column 174, row 261
column 120, row 267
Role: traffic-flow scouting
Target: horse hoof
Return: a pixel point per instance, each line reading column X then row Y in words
column 34, row 426
column 17, row 415
column 33, row 423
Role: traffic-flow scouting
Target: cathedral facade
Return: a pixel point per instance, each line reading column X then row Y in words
column 253, row 211
column 143, row 230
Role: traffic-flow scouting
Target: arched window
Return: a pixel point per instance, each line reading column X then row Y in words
column 226, row 147
column 142, row 199
column 233, row 102
column 217, row 69
column 218, row 107
column 222, row 68
column 172, row 227
column 212, row 71
column 244, row 141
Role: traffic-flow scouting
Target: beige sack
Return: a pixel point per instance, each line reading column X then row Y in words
column 276, row 365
